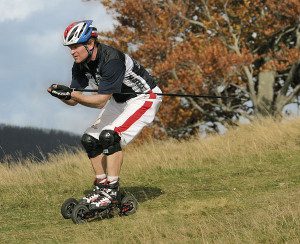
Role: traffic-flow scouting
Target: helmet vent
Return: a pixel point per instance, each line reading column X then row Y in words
column 83, row 27
column 72, row 33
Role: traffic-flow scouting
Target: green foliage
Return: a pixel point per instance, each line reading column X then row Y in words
column 18, row 143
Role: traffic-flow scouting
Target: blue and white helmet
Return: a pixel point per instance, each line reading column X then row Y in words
column 79, row 32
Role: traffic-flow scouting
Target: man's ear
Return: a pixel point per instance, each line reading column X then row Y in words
column 91, row 42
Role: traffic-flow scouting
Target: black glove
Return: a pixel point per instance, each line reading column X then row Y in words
column 60, row 91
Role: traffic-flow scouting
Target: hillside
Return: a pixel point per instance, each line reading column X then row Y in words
column 243, row 187
column 17, row 143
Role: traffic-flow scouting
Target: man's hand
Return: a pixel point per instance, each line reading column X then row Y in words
column 60, row 91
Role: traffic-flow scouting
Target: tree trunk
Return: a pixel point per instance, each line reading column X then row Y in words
column 265, row 94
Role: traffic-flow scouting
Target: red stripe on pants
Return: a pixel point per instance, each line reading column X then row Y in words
column 135, row 116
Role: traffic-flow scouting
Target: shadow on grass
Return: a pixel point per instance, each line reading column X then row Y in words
column 143, row 193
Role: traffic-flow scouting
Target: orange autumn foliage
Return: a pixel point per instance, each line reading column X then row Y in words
column 197, row 46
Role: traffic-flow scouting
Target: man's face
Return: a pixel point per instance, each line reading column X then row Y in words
column 78, row 52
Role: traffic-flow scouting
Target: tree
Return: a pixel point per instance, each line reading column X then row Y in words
column 249, row 49
column 19, row 143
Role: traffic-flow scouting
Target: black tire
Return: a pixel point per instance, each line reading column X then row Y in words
column 129, row 205
column 67, row 207
column 80, row 214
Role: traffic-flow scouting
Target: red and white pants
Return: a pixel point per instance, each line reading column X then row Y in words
column 129, row 118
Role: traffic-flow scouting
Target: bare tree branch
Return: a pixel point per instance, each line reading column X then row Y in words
column 191, row 100
column 298, row 37
column 235, row 47
column 195, row 22
column 290, row 97
column 195, row 104
column 289, row 79
column 205, row 3
column 277, row 40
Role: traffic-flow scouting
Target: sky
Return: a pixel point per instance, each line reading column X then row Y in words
column 33, row 57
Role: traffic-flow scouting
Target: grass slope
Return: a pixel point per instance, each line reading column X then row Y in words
column 241, row 187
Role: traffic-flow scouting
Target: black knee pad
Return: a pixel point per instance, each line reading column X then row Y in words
column 91, row 145
column 110, row 142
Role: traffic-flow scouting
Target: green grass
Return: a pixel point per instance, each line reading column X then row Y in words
column 240, row 188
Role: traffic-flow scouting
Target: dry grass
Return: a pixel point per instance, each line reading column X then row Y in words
column 237, row 188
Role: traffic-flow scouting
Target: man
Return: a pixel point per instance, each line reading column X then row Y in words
column 123, row 113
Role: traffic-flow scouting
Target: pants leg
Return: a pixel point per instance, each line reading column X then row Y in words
column 139, row 112
column 127, row 119
column 108, row 114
